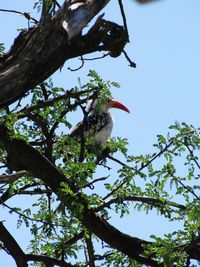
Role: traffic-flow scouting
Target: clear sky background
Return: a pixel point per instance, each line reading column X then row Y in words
column 164, row 88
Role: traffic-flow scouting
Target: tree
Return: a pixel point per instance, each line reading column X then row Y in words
column 70, row 216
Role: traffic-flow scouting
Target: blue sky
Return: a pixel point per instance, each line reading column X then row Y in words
column 164, row 88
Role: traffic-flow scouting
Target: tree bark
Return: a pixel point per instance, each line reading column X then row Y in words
column 12, row 246
column 40, row 51
column 31, row 160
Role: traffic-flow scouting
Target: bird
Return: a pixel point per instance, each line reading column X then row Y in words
column 98, row 123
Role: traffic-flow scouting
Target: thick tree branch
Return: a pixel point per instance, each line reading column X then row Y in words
column 31, row 160
column 12, row 247
column 20, row 257
column 40, row 51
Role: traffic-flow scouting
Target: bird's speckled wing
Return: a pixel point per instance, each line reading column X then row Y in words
column 92, row 125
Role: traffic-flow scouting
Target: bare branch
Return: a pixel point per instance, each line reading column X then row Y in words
column 31, row 65
column 132, row 64
column 25, row 14
column 95, row 58
column 124, row 18
column 91, row 184
column 78, row 68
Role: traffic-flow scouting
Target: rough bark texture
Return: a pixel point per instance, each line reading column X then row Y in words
column 40, row 51
column 12, row 246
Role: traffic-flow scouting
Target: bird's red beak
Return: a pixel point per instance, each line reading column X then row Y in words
column 116, row 104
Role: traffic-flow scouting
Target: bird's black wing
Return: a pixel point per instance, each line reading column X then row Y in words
column 92, row 124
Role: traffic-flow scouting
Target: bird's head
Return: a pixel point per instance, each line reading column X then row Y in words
column 102, row 104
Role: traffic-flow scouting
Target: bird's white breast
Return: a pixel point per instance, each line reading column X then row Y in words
column 103, row 135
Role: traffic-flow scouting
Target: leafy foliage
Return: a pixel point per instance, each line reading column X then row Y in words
column 165, row 181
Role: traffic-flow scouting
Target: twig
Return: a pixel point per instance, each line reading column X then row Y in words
column 95, row 181
column 139, row 170
column 42, row 104
column 144, row 166
column 187, row 188
column 120, row 162
column 82, row 64
column 95, row 58
column 132, row 63
column 36, row 191
column 124, row 18
column 87, row 59
column 191, row 152
column 21, row 214
column 25, row 14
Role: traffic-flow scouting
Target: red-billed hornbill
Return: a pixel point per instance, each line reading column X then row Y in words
column 99, row 122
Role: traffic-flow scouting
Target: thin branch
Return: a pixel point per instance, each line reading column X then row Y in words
column 90, row 250
column 25, row 14
column 48, row 261
column 27, row 217
column 191, row 153
column 78, row 68
column 91, row 184
column 143, row 199
column 21, row 214
column 55, row 125
column 132, row 63
column 120, row 162
column 42, row 104
column 87, row 59
column 95, row 58
column 187, row 188
column 36, row 191
column 11, row 177
column 124, row 18
column 124, row 181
